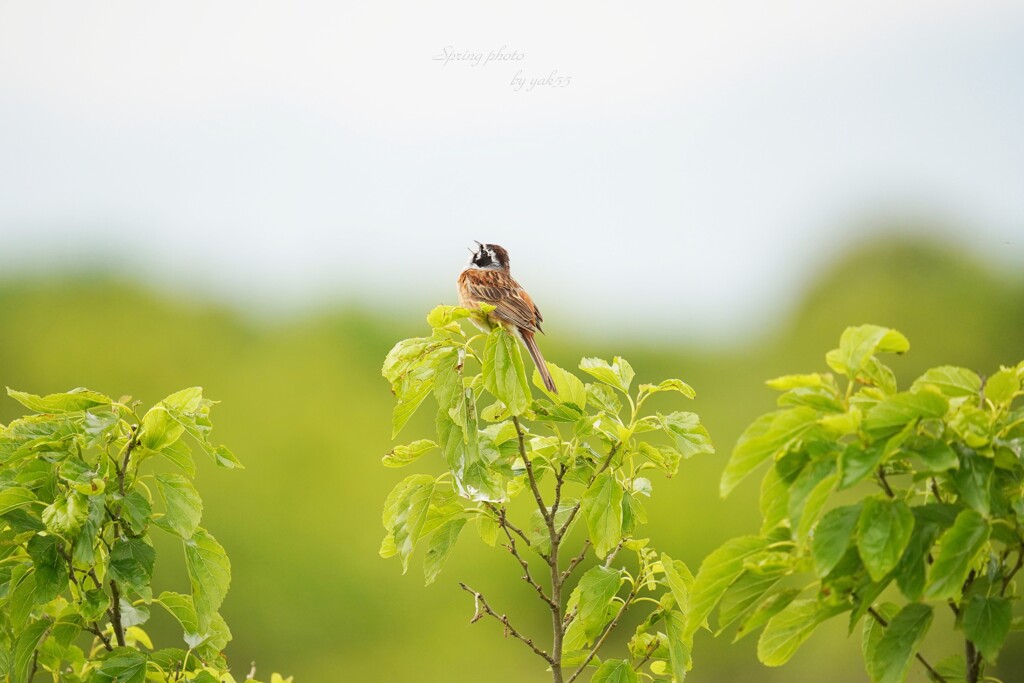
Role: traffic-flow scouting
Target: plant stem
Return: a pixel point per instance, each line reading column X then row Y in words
column 115, row 613
column 973, row 661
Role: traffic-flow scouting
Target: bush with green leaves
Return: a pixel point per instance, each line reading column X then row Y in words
column 525, row 468
column 83, row 483
column 883, row 505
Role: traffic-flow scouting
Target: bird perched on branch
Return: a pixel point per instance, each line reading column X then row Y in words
column 487, row 280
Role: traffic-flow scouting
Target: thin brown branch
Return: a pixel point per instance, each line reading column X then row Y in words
column 511, row 547
column 94, row 629
column 936, row 676
column 481, row 608
column 885, row 482
column 115, row 613
column 549, row 517
column 498, row 512
column 575, row 562
column 1016, row 568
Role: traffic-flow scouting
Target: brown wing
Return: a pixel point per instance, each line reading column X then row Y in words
column 512, row 303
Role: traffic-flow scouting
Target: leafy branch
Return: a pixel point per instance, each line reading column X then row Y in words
column 938, row 512
column 579, row 455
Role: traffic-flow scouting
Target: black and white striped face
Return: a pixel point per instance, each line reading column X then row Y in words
column 489, row 256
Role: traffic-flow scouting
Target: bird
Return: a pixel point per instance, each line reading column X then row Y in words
column 486, row 279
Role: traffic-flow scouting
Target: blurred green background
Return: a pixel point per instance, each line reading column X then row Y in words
column 305, row 408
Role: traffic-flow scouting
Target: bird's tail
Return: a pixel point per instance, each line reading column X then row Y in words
column 538, row 360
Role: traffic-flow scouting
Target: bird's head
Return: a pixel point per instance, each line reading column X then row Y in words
column 489, row 256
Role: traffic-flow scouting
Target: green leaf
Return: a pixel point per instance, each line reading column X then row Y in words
column 94, row 604
column 569, row 387
column 615, row 671
column 159, row 429
column 50, row 568
column 24, row 648
column 858, row 344
column 65, row 516
column 894, row 652
column 67, row 402
column 136, row 512
column 123, row 665
column 14, row 498
column 679, row 646
column 973, row 480
column 442, row 316
column 767, row 436
column 679, row 580
column 987, row 623
column 769, row 607
column 184, row 507
column 787, row 631
column 857, row 462
column 209, row 572
column 808, row 495
column 440, row 546
column 718, row 571
column 596, row 589
column 131, row 563
column 958, row 547
column 602, row 508
column 668, row 385
column 937, row 456
column 690, row 435
column 410, row 515
column 745, row 592
column 883, row 532
column 503, row 371
column 400, row 456
column 407, row 404
column 895, row 412
column 832, row 537
column 951, row 381
column 618, row 375
column 1003, row 386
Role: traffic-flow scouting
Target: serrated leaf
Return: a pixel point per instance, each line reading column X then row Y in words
column 400, row 456
column 15, row 497
column 159, row 429
column 596, row 589
column 883, row 532
column 615, row 671
column 602, row 509
column 439, row 547
column 209, row 572
column 833, row 536
column 1002, row 386
column 895, row 650
column 669, row 385
column 858, row 344
column 764, row 438
column 131, row 563
column 619, row 374
column 568, row 387
column 718, row 571
column 893, row 413
column 503, row 371
column 746, row 592
column 857, row 462
column 184, row 507
column 123, row 665
column 24, row 648
column 679, row 580
column 679, row 646
column 987, row 623
column 958, row 546
column 950, row 380
column 690, row 435
column 787, row 631
column 66, row 402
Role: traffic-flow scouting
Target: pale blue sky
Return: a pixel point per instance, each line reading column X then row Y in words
column 704, row 162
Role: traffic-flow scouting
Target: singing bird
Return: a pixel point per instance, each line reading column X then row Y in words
column 487, row 280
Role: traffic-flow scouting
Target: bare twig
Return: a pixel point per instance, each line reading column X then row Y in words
column 511, row 547
column 575, row 562
column 482, row 608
